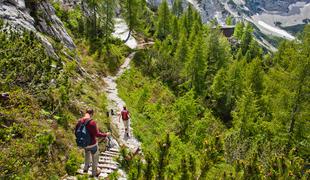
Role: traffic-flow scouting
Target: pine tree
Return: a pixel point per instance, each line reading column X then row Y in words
column 175, row 29
column 246, row 38
column 189, row 18
column 163, row 23
column 106, row 16
column 196, row 66
column 239, row 30
column 163, row 157
column 229, row 20
column 246, row 115
column 288, row 90
column 253, row 51
column 226, row 89
column 177, row 8
column 218, row 55
column 131, row 8
column 181, row 51
column 253, row 76
column 184, row 169
column 148, row 172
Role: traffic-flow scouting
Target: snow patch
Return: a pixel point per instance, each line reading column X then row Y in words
column 276, row 31
column 121, row 31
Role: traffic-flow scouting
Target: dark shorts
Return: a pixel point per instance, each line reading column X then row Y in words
column 93, row 150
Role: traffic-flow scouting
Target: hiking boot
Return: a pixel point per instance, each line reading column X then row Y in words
column 97, row 174
column 127, row 134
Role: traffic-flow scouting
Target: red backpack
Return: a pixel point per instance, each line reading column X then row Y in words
column 125, row 114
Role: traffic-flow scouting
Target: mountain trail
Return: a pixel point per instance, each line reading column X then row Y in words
column 107, row 163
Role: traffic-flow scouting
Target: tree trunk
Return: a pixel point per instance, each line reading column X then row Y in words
column 129, row 33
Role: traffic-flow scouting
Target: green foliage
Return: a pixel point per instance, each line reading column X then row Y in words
column 72, row 164
column 44, row 140
column 229, row 20
column 163, row 28
column 196, row 66
column 233, row 115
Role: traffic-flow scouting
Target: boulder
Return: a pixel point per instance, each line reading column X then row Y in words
column 19, row 18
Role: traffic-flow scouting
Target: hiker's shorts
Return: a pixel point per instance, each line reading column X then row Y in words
column 126, row 124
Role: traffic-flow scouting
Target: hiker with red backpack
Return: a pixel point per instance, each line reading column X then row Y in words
column 86, row 132
column 125, row 117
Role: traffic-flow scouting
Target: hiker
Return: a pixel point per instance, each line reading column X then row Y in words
column 92, row 148
column 125, row 117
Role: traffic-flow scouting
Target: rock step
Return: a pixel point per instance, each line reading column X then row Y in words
column 106, row 159
column 114, row 150
column 103, row 175
column 107, row 162
column 107, row 166
column 109, row 154
column 107, row 171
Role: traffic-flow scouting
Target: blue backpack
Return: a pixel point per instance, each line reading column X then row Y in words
column 82, row 135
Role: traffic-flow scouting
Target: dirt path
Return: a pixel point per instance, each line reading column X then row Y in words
column 116, row 104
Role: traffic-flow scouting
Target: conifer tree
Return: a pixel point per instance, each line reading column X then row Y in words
column 253, row 76
column 163, row 157
column 181, row 52
column 196, row 65
column 177, row 8
column 184, row 169
column 131, row 9
column 175, row 29
column 163, row 23
column 217, row 55
column 239, row 30
column 246, row 115
column 246, row 38
column 288, row 92
column 106, row 15
column 148, row 172
column 253, row 51
column 226, row 88
column 228, row 20
column 189, row 17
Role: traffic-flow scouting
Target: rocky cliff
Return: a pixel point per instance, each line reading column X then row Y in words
column 38, row 17
column 271, row 5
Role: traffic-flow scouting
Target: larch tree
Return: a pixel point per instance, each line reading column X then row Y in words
column 107, row 13
column 177, row 8
column 196, row 65
column 218, row 55
column 287, row 91
column 163, row 23
column 131, row 13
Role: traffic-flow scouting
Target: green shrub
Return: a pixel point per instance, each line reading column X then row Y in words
column 72, row 164
column 44, row 141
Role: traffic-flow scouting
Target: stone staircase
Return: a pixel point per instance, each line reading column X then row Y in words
column 107, row 165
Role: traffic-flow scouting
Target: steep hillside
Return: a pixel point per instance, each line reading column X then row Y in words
column 202, row 106
column 50, row 72
column 273, row 19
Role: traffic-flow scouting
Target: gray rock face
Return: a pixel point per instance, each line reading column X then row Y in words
column 208, row 9
column 212, row 9
column 271, row 5
column 50, row 24
column 17, row 15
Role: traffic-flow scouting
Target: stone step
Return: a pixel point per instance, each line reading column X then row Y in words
column 106, row 158
column 107, row 166
column 106, row 171
column 107, row 162
column 80, row 171
column 113, row 149
column 109, row 154
column 103, row 175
